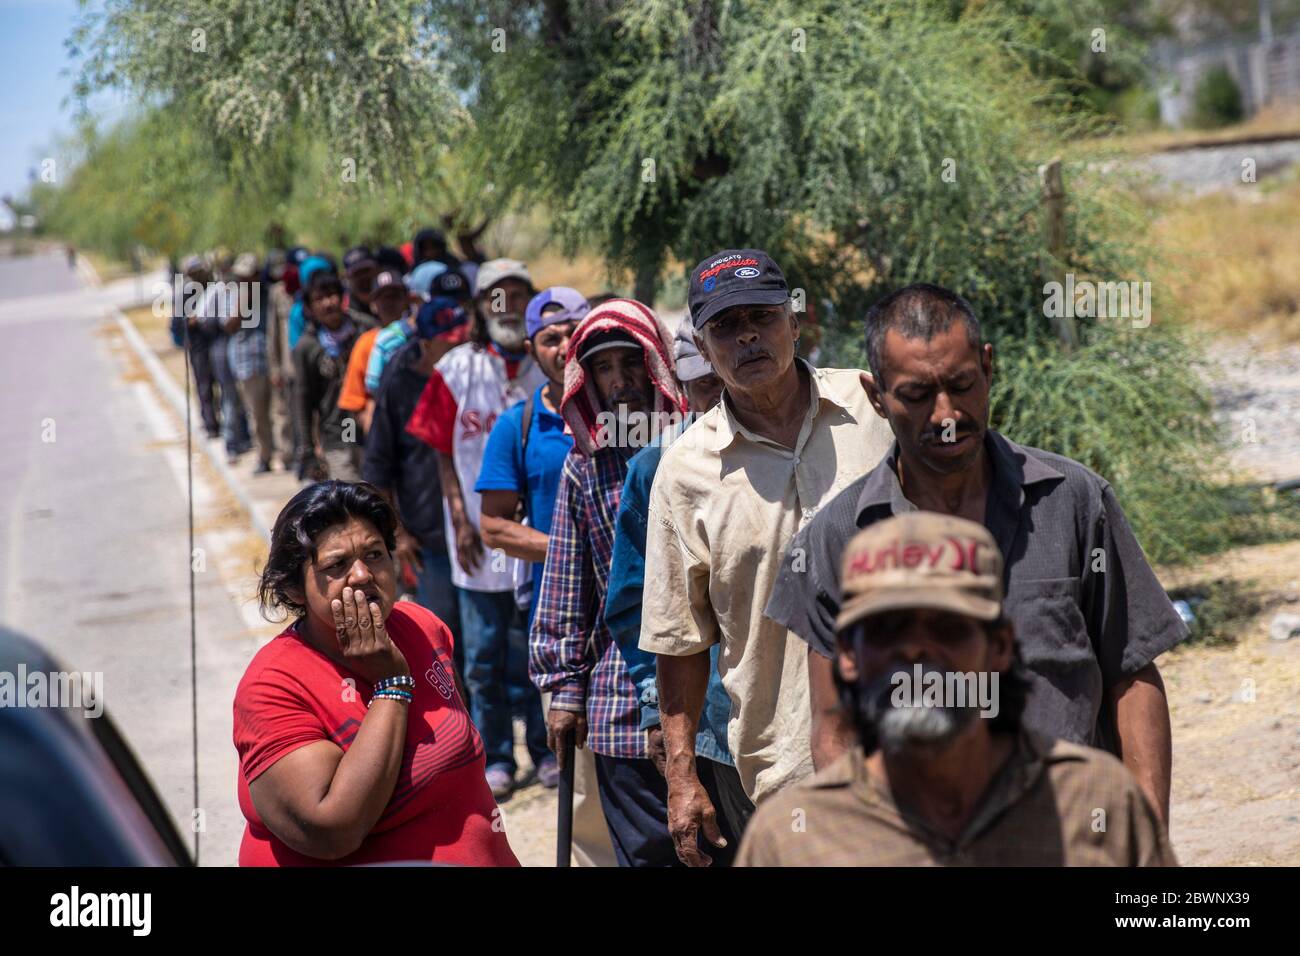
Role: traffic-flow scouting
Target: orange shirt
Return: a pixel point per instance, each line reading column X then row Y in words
column 352, row 397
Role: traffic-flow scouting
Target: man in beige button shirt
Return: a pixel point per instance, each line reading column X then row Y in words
column 729, row 495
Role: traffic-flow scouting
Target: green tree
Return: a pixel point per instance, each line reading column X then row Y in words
column 360, row 75
column 865, row 144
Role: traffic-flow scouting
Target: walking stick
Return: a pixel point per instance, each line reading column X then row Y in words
column 564, row 829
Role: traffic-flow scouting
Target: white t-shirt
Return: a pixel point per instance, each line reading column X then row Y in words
column 471, row 386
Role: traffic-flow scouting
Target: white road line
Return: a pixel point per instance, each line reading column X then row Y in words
column 214, row 543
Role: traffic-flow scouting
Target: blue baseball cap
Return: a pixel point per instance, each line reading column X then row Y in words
column 571, row 306
column 420, row 279
column 440, row 316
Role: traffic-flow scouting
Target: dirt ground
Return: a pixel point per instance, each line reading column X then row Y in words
column 1236, row 724
column 530, row 816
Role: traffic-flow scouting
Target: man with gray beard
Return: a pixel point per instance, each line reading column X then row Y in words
column 941, row 771
column 468, row 390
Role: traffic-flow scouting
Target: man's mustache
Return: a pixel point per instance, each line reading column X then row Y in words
column 751, row 354
column 937, row 436
column 878, row 693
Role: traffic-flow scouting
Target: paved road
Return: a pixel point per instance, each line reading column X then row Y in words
column 36, row 275
column 94, row 555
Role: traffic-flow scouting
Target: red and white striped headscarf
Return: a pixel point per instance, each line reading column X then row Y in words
column 581, row 403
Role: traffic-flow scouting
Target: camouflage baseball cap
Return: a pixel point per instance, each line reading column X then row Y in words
column 921, row 560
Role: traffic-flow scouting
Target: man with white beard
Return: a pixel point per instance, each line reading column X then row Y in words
column 470, row 387
column 942, row 772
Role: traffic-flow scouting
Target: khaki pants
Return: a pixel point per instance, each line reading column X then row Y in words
column 344, row 463
column 255, row 392
column 286, row 430
column 591, row 843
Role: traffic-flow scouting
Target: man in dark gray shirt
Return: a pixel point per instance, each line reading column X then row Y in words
column 1090, row 614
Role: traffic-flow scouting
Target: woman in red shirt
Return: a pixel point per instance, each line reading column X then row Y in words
column 354, row 745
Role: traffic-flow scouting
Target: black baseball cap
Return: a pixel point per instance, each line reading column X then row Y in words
column 386, row 279
column 450, row 283
column 390, row 258
column 354, row 258
column 606, row 339
column 734, row 277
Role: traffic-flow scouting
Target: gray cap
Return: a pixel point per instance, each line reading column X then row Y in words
column 690, row 363
column 498, row 270
column 244, row 266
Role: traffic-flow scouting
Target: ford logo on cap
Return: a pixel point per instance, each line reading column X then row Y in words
column 733, row 277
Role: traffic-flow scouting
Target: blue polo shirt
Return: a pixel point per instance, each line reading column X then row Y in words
column 504, row 468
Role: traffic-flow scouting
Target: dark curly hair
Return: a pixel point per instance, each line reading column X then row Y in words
column 311, row 511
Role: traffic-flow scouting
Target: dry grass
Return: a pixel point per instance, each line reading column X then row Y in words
column 529, row 238
column 155, row 331
column 147, row 324
column 1232, row 259
column 108, row 269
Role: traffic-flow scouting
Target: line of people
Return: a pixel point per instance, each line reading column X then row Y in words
column 695, row 557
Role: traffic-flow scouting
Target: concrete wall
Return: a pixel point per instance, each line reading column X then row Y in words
column 1266, row 72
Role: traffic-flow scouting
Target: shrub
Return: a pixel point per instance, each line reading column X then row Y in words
column 1217, row 100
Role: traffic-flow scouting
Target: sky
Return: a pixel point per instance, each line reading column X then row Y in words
column 34, row 82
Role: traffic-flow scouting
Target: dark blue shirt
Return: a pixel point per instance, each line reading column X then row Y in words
column 504, row 468
column 623, row 610
column 397, row 460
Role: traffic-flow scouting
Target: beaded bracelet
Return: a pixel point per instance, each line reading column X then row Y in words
column 392, row 695
column 403, row 680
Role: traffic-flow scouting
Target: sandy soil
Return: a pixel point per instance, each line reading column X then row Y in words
column 1236, row 725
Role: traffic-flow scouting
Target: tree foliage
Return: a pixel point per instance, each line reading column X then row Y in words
column 865, row 143
column 361, row 75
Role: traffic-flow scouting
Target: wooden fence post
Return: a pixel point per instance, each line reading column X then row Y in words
column 1054, row 230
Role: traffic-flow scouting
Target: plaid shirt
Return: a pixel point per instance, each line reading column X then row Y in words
column 571, row 652
column 247, row 353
